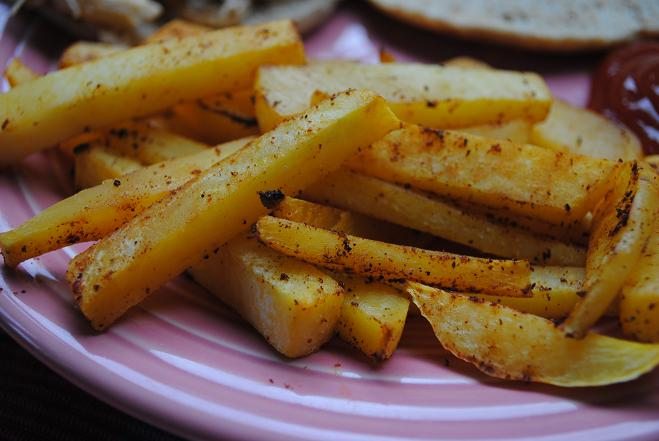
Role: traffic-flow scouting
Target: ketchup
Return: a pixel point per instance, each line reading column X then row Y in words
column 625, row 89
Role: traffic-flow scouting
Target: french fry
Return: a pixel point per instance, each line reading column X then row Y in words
column 505, row 343
column 294, row 305
column 168, row 237
column 556, row 187
column 585, row 132
column 639, row 302
column 18, row 73
column 433, row 96
column 144, row 80
column 388, row 262
column 176, row 28
column 94, row 164
column 372, row 317
column 95, row 212
column 652, row 161
column 401, row 206
column 330, row 218
column 557, row 291
column 85, row 51
column 218, row 118
column 517, row 131
column 621, row 227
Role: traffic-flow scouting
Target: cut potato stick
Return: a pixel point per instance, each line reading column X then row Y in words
column 585, row 132
column 388, row 262
column 144, row 80
column 85, row 51
column 652, row 161
column 556, row 291
column 330, row 218
column 517, row 131
column 294, row 305
column 505, row 343
column 372, row 317
column 218, row 118
column 18, row 73
column 433, row 96
column 94, row 164
column 176, row 28
column 94, row 213
column 553, row 186
column 621, row 228
column 392, row 203
column 639, row 302
column 168, row 237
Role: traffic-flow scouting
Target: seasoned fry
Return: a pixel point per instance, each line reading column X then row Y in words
column 94, row 164
column 330, row 218
column 398, row 205
column 553, row 186
column 639, row 302
column 18, row 73
column 621, row 227
column 218, row 118
column 585, row 132
column 295, row 306
column 176, row 28
column 85, row 51
column 389, row 262
column 433, row 96
column 556, row 291
column 223, row 201
column 94, row 213
column 517, row 131
column 508, row 344
column 144, row 80
column 372, row 317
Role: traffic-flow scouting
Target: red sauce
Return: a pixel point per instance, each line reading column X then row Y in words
column 625, row 88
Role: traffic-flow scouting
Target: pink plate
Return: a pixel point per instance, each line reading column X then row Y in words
column 183, row 362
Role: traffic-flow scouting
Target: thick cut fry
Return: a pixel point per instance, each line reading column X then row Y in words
column 85, row 51
column 585, row 132
column 18, row 73
column 176, row 29
column 433, row 96
column 147, row 143
column 517, row 131
column 144, row 80
column 218, row 118
column 639, row 303
column 294, row 305
column 398, row 205
column 94, row 164
column 330, row 218
column 372, row 317
column 170, row 236
column 389, row 262
column 653, row 161
column 94, row 213
column 557, row 290
column 621, row 227
column 508, row 344
column 556, row 187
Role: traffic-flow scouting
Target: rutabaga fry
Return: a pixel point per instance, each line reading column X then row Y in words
column 433, row 96
column 388, row 262
column 144, row 80
column 392, row 203
column 294, row 305
column 557, row 187
column 97, row 211
column 639, row 302
column 508, row 344
column 621, row 227
column 170, row 236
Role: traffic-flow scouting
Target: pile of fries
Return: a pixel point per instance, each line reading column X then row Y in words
column 309, row 197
